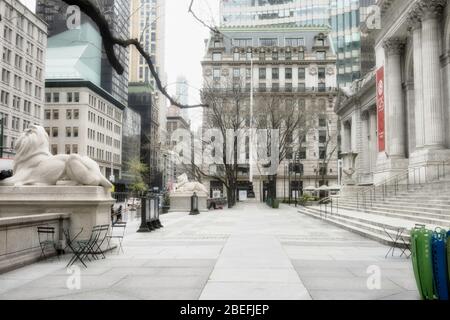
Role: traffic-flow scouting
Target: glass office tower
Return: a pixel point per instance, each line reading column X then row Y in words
column 345, row 18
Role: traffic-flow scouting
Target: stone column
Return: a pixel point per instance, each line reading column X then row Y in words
column 416, row 30
column 365, row 147
column 395, row 109
column 432, row 92
column 373, row 138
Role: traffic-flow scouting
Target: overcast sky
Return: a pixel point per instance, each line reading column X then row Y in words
column 184, row 42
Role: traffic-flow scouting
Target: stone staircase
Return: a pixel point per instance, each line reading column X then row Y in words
column 428, row 204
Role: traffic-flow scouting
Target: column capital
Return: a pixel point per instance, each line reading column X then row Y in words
column 430, row 9
column 414, row 19
column 394, row 46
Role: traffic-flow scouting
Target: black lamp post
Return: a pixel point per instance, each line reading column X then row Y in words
column 145, row 215
column 194, row 205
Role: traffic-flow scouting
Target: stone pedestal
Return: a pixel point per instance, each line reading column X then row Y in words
column 429, row 163
column 388, row 168
column 87, row 206
column 181, row 202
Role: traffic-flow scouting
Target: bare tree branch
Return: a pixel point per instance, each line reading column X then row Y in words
column 213, row 29
column 109, row 41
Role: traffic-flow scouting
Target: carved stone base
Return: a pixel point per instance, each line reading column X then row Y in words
column 87, row 206
column 430, row 164
column 181, row 202
column 388, row 168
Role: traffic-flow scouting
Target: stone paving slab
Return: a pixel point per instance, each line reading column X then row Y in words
column 249, row 252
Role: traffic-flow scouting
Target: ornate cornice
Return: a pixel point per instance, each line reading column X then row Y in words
column 429, row 9
column 414, row 19
column 394, row 46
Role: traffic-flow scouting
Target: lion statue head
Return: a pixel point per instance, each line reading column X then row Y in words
column 34, row 141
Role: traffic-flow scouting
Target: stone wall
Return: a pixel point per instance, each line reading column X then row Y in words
column 19, row 240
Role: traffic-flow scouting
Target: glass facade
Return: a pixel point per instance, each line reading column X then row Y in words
column 55, row 14
column 343, row 16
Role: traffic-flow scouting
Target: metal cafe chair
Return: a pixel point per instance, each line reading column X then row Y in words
column 95, row 248
column 46, row 237
column 117, row 232
column 82, row 248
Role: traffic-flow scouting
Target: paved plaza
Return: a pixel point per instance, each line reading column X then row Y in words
column 249, row 252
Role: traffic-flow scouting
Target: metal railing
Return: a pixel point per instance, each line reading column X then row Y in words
column 405, row 181
column 329, row 205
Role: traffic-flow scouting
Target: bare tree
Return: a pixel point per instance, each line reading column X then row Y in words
column 110, row 41
column 292, row 121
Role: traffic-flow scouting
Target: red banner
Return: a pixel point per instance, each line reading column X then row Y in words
column 380, row 110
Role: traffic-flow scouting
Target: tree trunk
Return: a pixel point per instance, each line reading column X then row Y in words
column 230, row 197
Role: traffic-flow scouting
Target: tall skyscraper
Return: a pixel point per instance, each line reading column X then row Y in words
column 56, row 14
column 344, row 16
column 182, row 95
column 148, row 25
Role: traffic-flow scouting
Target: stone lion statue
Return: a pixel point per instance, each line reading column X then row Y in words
column 183, row 185
column 35, row 165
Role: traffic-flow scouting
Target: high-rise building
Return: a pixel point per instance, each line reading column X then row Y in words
column 292, row 71
column 142, row 101
column 344, row 16
column 23, row 43
column 182, row 95
column 60, row 18
column 148, row 25
column 80, row 116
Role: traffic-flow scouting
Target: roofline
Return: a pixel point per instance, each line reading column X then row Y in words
column 79, row 83
column 274, row 28
column 35, row 15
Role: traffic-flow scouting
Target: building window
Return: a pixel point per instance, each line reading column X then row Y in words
column 322, row 153
column 288, row 56
column 75, row 148
column 236, row 73
column 322, row 136
column 216, row 56
column 47, row 130
column 262, row 73
column 294, row 42
column 67, row 147
column 320, row 55
column 48, row 97
column 288, row 73
column 322, row 121
column 268, row 42
column 322, row 87
column 69, row 114
column 68, row 132
column 301, row 87
column 47, row 114
column 321, row 73
column 76, row 114
column 275, row 55
column 301, row 55
column 216, row 74
column 301, row 73
column 262, row 56
column 236, row 56
column 54, row 149
column 55, row 114
column 275, row 73
column 69, row 97
column 56, row 97
column 55, row 132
